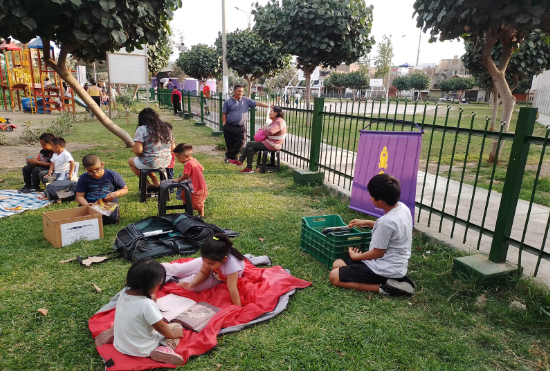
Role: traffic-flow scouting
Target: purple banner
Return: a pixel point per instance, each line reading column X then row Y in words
column 395, row 153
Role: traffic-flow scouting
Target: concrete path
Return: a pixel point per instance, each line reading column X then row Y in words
column 544, row 119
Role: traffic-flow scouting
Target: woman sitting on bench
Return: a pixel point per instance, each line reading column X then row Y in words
column 272, row 139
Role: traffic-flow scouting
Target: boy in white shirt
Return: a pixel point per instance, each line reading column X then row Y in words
column 383, row 268
column 62, row 163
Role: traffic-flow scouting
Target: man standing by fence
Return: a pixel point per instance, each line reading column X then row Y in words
column 235, row 114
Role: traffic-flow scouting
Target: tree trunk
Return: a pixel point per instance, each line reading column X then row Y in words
column 62, row 71
column 307, row 74
column 136, row 88
column 249, row 80
column 496, row 103
column 501, row 86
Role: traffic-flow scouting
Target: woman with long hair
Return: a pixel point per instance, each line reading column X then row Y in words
column 153, row 144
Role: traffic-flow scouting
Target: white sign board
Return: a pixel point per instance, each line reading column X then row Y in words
column 81, row 74
column 85, row 229
column 128, row 68
column 376, row 83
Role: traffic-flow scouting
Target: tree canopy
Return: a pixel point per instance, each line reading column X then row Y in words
column 487, row 23
column 419, row 81
column 158, row 54
column 457, row 84
column 87, row 30
column 402, row 83
column 202, row 62
column 530, row 59
column 251, row 56
column 317, row 32
column 281, row 79
column 382, row 61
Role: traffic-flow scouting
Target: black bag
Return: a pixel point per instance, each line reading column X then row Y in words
column 63, row 190
column 165, row 235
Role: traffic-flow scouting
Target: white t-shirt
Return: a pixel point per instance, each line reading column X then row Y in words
column 134, row 333
column 232, row 265
column 393, row 233
column 61, row 162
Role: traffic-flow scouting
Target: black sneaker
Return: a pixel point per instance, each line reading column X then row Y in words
column 34, row 190
column 396, row 288
column 25, row 189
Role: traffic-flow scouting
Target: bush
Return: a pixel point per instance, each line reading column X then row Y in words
column 221, row 146
column 62, row 125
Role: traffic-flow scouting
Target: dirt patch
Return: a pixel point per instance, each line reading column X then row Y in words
column 544, row 170
column 15, row 156
column 206, row 149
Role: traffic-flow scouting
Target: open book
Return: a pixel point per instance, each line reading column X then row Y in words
column 190, row 314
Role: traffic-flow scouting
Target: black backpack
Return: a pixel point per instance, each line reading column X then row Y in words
column 165, row 235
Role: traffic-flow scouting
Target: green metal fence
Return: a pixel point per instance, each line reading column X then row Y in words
column 479, row 202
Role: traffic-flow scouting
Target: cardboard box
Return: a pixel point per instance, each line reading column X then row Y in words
column 63, row 227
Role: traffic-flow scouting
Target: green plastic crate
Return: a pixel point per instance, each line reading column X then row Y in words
column 329, row 248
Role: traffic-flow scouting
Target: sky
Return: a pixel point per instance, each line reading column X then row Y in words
column 200, row 21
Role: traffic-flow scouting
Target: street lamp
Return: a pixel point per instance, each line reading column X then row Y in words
column 248, row 14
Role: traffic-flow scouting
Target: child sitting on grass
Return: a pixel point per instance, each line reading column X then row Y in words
column 138, row 328
column 61, row 165
column 99, row 183
column 219, row 262
column 192, row 171
column 31, row 172
column 383, row 268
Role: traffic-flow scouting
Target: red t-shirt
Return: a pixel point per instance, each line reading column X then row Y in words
column 194, row 169
column 206, row 91
column 172, row 162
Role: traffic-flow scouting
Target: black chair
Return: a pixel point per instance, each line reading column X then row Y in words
column 143, row 182
column 164, row 195
column 274, row 164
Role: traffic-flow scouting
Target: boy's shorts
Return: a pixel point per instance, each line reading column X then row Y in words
column 198, row 198
column 357, row 271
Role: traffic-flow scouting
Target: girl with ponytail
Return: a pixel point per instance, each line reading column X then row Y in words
column 219, row 262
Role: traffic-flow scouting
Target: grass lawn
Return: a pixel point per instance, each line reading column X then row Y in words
column 324, row 327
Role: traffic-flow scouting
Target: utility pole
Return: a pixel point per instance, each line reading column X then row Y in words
column 418, row 51
column 224, row 48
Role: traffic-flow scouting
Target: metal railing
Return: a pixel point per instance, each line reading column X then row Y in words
column 457, row 184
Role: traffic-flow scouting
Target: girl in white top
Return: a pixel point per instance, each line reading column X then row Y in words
column 219, row 262
column 138, row 328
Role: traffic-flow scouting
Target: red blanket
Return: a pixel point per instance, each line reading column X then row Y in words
column 260, row 289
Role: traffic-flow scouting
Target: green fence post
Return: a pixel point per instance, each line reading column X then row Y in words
column 494, row 269
column 316, row 130
column 311, row 176
column 512, row 184
column 188, row 114
column 152, row 92
column 252, row 116
column 201, row 122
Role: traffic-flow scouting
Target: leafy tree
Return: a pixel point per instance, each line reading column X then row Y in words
column 382, row 62
column 357, row 80
column 402, row 83
column 317, row 32
column 158, row 54
column 87, row 30
column 283, row 78
column 531, row 59
column 202, row 62
column 178, row 73
column 524, row 86
column 338, row 81
column 487, row 23
column 419, row 81
column 251, row 56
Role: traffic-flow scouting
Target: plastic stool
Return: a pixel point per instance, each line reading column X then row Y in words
column 164, row 195
column 273, row 165
column 143, row 182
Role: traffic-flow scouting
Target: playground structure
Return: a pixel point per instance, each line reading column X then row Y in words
column 24, row 84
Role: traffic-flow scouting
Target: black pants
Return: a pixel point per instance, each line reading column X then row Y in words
column 31, row 175
column 177, row 107
column 235, row 138
column 249, row 150
column 97, row 101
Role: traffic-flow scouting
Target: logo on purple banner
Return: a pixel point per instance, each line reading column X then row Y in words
column 383, row 152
